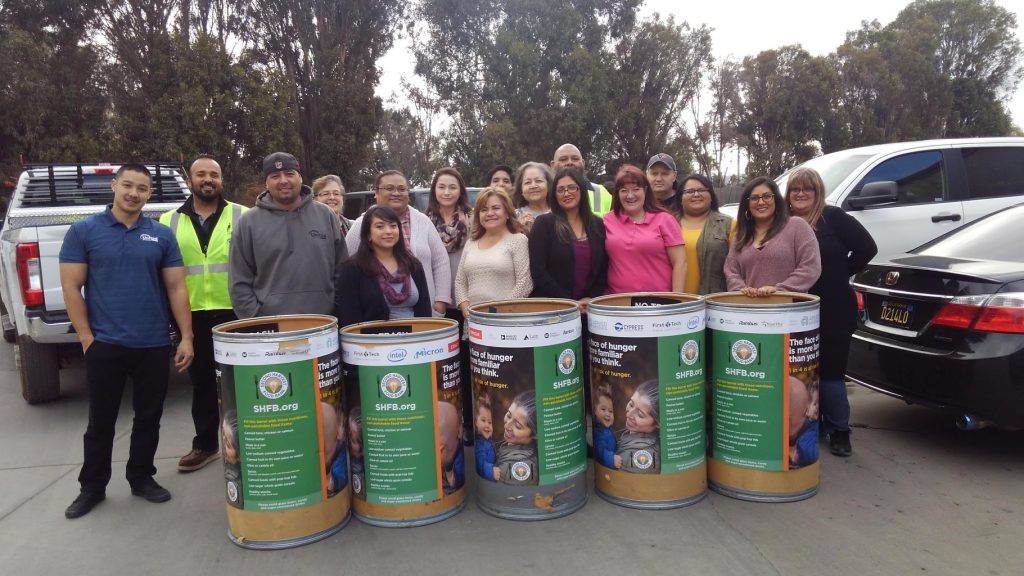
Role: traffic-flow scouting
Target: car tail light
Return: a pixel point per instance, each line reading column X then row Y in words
column 860, row 300
column 30, row 274
column 999, row 313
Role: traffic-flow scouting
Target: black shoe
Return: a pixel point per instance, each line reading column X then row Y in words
column 151, row 491
column 839, row 443
column 83, row 504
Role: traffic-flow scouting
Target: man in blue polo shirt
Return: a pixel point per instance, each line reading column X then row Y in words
column 130, row 268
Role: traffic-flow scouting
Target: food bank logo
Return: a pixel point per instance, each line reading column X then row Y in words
column 273, row 385
column 567, row 361
column 643, row 459
column 521, row 471
column 393, row 385
column 744, row 352
column 689, row 353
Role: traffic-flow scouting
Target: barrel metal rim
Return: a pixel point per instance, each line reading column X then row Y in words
column 478, row 315
column 349, row 334
column 331, row 324
column 805, row 301
column 692, row 303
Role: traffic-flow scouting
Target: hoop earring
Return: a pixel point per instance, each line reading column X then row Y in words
column 746, row 214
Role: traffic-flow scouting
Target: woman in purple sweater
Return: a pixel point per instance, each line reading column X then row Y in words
column 772, row 252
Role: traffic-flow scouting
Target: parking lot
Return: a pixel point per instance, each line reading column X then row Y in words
column 917, row 497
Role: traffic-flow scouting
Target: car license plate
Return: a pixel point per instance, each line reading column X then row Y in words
column 896, row 314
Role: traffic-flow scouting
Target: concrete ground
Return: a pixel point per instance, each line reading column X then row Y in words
column 917, row 497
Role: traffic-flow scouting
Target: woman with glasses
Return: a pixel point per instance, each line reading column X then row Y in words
column 567, row 256
column 644, row 242
column 496, row 262
column 846, row 248
column 772, row 252
column 706, row 235
column 530, row 193
column 330, row 191
column 418, row 234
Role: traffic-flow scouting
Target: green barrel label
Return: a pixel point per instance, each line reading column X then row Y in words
column 405, row 424
column 528, row 403
column 647, row 390
column 280, row 427
column 765, row 388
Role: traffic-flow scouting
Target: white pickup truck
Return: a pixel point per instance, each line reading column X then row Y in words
column 46, row 201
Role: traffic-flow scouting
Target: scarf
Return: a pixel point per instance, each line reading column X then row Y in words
column 385, row 279
column 453, row 235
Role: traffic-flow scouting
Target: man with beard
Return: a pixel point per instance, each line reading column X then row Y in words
column 569, row 156
column 203, row 226
column 287, row 251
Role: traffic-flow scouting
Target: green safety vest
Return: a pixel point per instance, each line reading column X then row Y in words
column 206, row 275
column 600, row 199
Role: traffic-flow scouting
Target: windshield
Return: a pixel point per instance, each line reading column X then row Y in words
column 997, row 237
column 834, row 168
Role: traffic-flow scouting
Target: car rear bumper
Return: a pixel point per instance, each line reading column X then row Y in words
column 50, row 328
column 983, row 377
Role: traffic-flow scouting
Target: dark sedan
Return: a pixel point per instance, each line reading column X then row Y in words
column 944, row 324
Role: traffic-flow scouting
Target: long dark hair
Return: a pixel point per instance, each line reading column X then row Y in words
column 563, row 230
column 677, row 199
column 630, row 174
column 365, row 258
column 433, row 206
column 745, row 222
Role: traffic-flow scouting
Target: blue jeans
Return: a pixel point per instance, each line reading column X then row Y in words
column 835, row 406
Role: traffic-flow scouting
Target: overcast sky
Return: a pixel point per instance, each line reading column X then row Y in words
column 744, row 28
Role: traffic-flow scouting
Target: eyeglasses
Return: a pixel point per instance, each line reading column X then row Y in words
column 570, row 189
column 801, row 191
column 393, row 189
column 768, row 198
column 329, row 194
column 694, row 191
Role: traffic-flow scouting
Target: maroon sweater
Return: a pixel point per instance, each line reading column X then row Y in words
column 789, row 261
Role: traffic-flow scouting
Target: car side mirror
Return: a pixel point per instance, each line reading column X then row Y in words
column 873, row 194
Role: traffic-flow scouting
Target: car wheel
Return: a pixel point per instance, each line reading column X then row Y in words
column 39, row 365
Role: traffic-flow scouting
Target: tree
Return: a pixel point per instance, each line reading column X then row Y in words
column 658, row 70
column 520, row 77
column 786, row 95
column 328, row 50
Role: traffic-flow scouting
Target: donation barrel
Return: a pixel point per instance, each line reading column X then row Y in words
column 402, row 378
column 647, row 399
column 764, row 389
column 528, row 418
column 282, row 418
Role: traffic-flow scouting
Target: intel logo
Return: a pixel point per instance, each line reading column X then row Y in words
column 397, row 355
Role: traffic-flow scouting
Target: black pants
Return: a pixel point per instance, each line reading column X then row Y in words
column 108, row 367
column 202, row 372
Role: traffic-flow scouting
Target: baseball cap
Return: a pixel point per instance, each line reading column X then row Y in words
column 279, row 161
column 662, row 158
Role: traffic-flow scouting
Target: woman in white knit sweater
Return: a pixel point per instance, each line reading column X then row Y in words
column 495, row 264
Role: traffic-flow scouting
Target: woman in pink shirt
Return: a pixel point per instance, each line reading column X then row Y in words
column 772, row 252
column 643, row 241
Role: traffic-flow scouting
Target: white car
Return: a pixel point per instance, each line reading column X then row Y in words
column 908, row 193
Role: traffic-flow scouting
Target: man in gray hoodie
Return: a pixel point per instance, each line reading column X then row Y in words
column 286, row 252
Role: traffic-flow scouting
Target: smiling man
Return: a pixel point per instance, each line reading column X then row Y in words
column 119, row 270
column 203, row 226
column 287, row 250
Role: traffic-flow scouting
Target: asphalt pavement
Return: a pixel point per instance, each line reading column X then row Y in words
column 917, row 497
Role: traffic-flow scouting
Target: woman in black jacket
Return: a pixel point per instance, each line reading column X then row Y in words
column 846, row 248
column 567, row 256
column 383, row 281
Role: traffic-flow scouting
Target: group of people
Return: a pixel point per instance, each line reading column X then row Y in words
column 542, row 230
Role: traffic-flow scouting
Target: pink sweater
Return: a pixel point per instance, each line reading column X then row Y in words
column 789, row 261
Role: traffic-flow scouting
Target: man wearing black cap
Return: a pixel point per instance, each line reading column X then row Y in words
column 661, row 173
column 287, row 250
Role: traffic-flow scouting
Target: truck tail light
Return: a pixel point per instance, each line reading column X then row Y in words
column 860, row 300
column 30, row 274
column 999, row 313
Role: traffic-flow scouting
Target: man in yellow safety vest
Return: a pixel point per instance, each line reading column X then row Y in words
column 569, row 156
column 203, row 226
